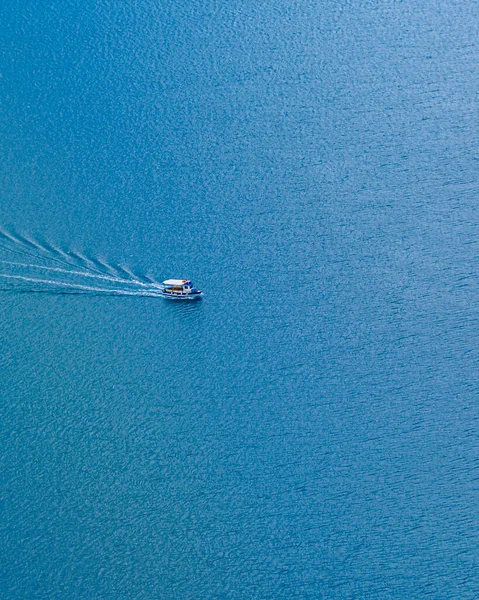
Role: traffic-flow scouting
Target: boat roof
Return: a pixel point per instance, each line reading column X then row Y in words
column 176, row 281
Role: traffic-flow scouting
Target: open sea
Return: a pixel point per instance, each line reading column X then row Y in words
column 308, row 430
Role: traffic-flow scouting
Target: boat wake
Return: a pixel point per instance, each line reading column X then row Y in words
column 28, row 265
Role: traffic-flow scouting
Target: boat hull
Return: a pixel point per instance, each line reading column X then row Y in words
column 177, row 296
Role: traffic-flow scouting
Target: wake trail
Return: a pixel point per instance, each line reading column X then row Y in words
column 49, row 248
column 26, row 242
column 102, row 265
column 66, row 258
column 8, row 236
column 85, row 263
column 82, row 287
column 74, row 292
column 120, row 269
column 70, row 263
column 23, row 252
column 18, row 239
column 35, row 256
column 144, row 278
column 80, row 273
column 116, row 270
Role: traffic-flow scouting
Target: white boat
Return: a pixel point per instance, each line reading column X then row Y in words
column 180, row 289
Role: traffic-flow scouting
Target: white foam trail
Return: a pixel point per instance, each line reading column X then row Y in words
column 18, row 239
column 50, row 258
column 102, row 265
column 27, row 242
column 18, row 251
column 80, row 273
column 121, row 270
column 51, row 249
column 82, row 259
column 8, row 236
column 114, row 270
column 46, row 247
column 21, row 240
column 73, row 260
column 82, row 287
column 145, row 278
column 130, row 274
column 88, row 264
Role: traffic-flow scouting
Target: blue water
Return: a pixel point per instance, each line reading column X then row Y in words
column 310, row 428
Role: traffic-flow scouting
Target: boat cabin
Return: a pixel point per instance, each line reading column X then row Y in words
column 179, row 288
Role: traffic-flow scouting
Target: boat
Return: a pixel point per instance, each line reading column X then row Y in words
column 180, row 289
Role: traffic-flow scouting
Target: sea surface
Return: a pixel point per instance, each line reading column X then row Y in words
column 308, row 430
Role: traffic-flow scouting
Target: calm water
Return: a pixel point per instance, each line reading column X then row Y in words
column 308, row 430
